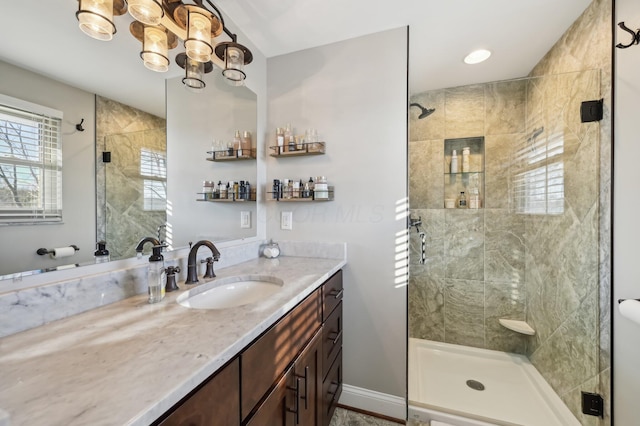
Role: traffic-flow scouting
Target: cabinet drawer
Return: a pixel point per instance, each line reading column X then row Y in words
column 215, row 403
column 331, row 294
column 263, row 362
column 331, row 338
column 331, row 390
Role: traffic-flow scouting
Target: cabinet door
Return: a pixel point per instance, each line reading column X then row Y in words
column 278, row 408
column 308, row 383
column 331, row 390
column 215, row 403
column 267, row 358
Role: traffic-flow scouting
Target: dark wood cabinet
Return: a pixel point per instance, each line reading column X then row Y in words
column 214, row 403
column 291, row 375
column 267, row 358
column 294, row 399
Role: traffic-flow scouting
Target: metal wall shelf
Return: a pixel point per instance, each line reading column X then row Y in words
column 311, row 148
column 232, row 155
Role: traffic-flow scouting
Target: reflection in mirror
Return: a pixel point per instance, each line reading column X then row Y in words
column 131, row 174
column 122, row 218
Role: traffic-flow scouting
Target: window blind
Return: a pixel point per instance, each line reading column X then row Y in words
column 30, row 164
column 153, row 167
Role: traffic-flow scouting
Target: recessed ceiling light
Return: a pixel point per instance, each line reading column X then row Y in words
column 477, row 56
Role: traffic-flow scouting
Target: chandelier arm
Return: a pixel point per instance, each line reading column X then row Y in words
column 224, row 27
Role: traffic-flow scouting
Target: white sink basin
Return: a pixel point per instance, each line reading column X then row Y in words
column 230, row 292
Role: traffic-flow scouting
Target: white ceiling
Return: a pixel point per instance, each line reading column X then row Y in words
column 43, row 36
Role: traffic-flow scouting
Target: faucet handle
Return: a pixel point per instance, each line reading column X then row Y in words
column 171, row 278
column 209, row 273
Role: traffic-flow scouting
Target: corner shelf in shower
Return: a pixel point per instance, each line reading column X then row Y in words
column 517, row 326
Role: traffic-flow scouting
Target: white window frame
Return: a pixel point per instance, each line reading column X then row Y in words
column 46, row 205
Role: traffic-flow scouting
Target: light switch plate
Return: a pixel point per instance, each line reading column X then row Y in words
column 286, row 221
column 245, row 220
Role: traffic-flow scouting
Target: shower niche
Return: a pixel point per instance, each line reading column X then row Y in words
column 466, row 178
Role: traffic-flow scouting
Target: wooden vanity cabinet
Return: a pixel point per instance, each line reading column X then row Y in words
column 332, row 292
column 291, row 375
column 293, row 401
column 214, row 403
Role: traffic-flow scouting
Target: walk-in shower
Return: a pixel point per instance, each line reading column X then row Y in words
column 527, row 252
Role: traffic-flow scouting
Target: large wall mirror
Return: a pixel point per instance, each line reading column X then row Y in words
column 124, row 110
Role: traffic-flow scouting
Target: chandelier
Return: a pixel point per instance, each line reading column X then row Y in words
column 158, row 24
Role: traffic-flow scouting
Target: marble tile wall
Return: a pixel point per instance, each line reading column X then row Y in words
column 123, row 130
column 503, row 261
column 474, row 272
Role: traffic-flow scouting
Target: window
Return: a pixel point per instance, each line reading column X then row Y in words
column 539, row 187
column 30, row 162
column 153, row 169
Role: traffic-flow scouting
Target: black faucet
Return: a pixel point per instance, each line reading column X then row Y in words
column 192, row 266
column 145, row 240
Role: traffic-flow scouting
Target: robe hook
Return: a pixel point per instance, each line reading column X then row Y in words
column 79, row 126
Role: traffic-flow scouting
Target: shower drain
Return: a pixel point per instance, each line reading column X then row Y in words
column 476, row 385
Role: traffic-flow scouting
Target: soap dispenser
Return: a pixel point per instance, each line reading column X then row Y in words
column 101, row 254
column 157, row 275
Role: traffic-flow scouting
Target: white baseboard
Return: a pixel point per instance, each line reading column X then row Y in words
column 372, row 401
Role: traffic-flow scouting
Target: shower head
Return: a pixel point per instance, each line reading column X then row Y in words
column 425, row 111
column 536, row 132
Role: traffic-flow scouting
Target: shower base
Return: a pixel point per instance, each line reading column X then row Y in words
column 465, row 386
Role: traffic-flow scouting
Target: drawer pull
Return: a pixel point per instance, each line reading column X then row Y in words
column 296, row 410
column 335, row 339
column 337, row 294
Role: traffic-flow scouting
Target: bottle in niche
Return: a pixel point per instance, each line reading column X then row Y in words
column 465, row 160
column 474, row 198
column 462, row 201
column 454, row 162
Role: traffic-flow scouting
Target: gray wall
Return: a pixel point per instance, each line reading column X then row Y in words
column 626, row 350
column 19, row 243
column 354, row 93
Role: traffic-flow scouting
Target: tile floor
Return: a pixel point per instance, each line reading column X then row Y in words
column 344, row 417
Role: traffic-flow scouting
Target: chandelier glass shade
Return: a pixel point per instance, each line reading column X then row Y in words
column 149, row 12
column 155, row 49
column 95, row 18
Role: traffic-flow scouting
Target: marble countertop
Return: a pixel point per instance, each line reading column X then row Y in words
column 129, row 362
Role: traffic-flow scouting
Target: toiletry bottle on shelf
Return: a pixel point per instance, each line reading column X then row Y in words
column 276, row 189
column 280, row 139
column 454, row 162
column 223, row 191
column 237, row 143
column 474, row 198
column 292, row 143
column 287, row 135
column 156, row 276
column 247, row 190
column 462, row 201
column 465, row 160
column 246, row 143
column 101, row 254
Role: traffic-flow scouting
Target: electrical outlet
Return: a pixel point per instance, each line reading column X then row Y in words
column 286, row 221
column 245, row 220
